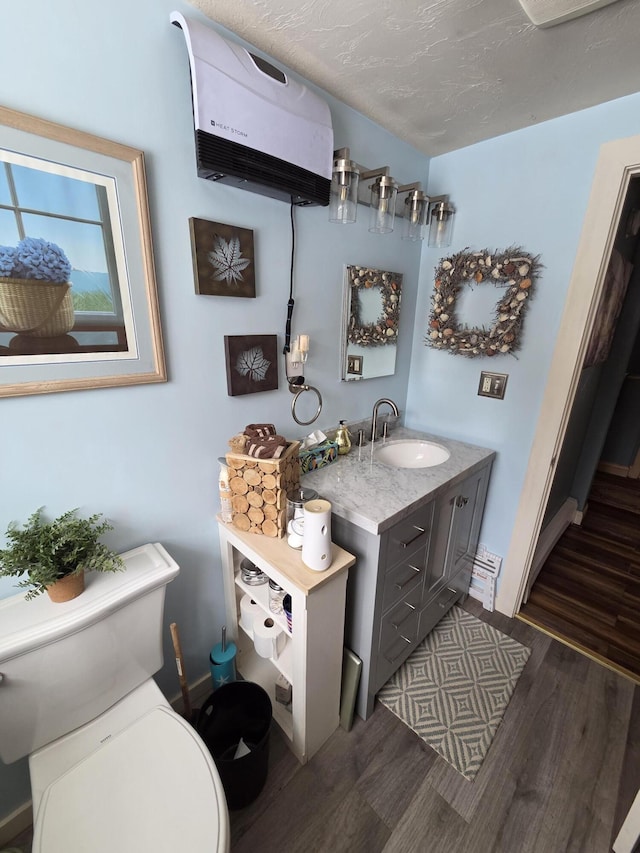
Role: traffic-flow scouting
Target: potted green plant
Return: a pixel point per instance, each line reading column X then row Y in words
column 35, row 291
column 55, row 554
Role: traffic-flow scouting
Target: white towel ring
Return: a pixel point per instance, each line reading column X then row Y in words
column 301, row 390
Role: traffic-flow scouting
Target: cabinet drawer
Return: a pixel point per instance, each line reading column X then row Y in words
column 409, row 535
column 398, row 638
column 402, row 579
column 401, row 621
column 441, row 603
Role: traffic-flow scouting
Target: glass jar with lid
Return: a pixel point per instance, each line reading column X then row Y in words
column 276, row 597
column 251, row 574
column 296, row 499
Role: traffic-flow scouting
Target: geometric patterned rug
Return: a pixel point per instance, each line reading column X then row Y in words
column 455, row 687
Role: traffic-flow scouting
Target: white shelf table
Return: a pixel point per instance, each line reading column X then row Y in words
column 311, row 659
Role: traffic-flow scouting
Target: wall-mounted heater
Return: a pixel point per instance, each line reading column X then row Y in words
column 256, row 128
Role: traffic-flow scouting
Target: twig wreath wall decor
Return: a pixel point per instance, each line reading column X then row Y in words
column 514, row 269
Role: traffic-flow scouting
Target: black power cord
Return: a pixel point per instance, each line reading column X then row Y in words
column 291, row 302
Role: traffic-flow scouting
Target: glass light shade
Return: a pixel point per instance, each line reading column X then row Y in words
column 383, row 205
column 343, row 202
column 415, row 216
column 440, row 225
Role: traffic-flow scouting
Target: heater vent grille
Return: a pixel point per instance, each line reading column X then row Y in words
column 548, row 13
column 242, row 167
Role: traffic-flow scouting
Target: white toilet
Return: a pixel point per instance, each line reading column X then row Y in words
column 113, row 767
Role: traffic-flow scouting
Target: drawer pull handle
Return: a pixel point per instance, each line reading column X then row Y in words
column 454, row 593
column 397, row 625
column 409, row 579
column 420, row 530
column 394, row 659
column 461, row 501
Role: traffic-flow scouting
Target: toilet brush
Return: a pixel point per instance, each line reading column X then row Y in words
column 190, row 714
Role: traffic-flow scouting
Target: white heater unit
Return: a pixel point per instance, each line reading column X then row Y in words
column 255, row 127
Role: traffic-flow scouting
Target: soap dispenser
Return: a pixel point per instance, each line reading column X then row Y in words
column 343, row 439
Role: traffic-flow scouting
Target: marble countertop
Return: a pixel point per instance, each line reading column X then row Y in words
column 374, row 496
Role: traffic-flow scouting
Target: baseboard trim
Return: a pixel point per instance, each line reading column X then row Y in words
column 15, row 823
column 578, row 518
column 612, row 468
column 199, row 691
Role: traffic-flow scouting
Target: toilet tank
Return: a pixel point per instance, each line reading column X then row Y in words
column 63, row 664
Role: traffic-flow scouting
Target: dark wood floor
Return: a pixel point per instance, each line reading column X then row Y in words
column 560, row 775
column 588, row 591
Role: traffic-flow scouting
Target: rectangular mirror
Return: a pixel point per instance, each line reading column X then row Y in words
column 370, row 318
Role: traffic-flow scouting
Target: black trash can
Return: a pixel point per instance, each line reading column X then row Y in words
column 240, row 710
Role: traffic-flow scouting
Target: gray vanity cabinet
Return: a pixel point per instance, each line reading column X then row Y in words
column 453, row 547
column 408, row 577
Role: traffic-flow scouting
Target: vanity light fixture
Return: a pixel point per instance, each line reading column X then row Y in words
column 440, row 222
column 345, row 178
column 384, row 191
column 418, row 211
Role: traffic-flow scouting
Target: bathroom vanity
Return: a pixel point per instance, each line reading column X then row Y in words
column 414, row 532
column 311, row 654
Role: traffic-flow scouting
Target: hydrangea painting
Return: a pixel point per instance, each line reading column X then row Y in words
column 223, row 263
column 78, row 300
column 35, row 258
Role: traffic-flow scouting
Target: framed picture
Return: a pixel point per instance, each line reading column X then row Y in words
column 252, row 363
column 86, row 197
column 223, row 262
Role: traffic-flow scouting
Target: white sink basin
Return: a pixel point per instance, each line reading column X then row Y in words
column 411, row 453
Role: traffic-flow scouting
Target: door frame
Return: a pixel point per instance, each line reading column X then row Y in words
column 618, row 163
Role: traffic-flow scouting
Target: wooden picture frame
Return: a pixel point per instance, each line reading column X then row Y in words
column 116, row 345
column 223, row 259
column 252, row 363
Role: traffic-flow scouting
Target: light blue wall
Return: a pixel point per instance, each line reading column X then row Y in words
column 147, row 456
column 531, row 189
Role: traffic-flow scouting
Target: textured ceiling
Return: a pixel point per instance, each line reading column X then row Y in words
column 443, row 74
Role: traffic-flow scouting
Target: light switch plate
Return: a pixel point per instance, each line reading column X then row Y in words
column 492, row 385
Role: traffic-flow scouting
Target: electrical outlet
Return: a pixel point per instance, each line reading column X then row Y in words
column 354, row 364
column 492, row 384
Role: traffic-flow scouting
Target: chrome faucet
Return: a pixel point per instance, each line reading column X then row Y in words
column 374, row 417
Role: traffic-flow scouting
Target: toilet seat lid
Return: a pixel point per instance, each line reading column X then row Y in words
column 153, row 787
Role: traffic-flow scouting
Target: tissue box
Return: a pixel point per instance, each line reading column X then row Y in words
column 259, row 490
column 318, row 457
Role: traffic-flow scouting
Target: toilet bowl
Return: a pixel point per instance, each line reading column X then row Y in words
column 112, row 766
column 137, row 778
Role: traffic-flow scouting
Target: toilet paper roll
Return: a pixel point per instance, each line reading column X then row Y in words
column 316, row 536
column 268, row 639
column 248, row 612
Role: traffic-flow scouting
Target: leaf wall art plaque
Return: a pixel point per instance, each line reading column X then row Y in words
column 223, row 259
column 252, row 363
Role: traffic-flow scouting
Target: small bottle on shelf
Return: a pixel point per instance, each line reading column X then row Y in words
column 276, row 597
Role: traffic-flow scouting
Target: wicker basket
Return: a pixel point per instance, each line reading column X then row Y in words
column 42, row 309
